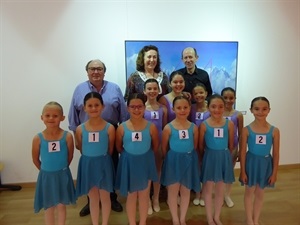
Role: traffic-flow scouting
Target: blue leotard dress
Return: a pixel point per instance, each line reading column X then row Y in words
column 259, row 161
column 136, row 166
column 217, row 161
column 55, row 183
column 95, row 168
column 181, row 164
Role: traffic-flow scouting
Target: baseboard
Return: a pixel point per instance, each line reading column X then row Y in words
column 236, row 172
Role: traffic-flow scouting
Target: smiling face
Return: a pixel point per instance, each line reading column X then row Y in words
column 199, row 94
column 177, row 83
column 52, row 115
column 181, row 107
column 93, row 107
column 229, row 98
column 150, row 60
column 216, row 107
column 151, row 90
column 95, row 72
column 260, row 109
column 189, row 58
column 136, row 108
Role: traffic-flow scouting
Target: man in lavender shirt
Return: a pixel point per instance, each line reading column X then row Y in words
column 114, row 112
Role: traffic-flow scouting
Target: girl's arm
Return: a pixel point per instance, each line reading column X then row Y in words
column 154, row 138
column 243, row 175
column 111, row 139
column 70, row 144
column 165, row 116
column 35, row 151
column 239, row 130
column 202, row 130
column 78, row 138
column 119, row 138
column 165, row 140
column 196, row 139
column 163, row 101
column 275, row 154
column 231, row 135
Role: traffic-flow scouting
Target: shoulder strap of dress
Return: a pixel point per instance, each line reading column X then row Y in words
column 41, row 136
column 271, row 129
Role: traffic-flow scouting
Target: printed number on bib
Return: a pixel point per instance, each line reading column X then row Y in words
column 218, row 132
column 136, row 136
column 93, row 137
column 183, row 134
column 260, row 139
column 154, row 115
column 199, row 116
column 54, row 146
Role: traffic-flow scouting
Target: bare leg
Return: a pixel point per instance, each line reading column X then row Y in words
column 143, row 197
column 248, row 203
column 184, row 203
column 131, row 207
column 156, row 185
column 219, row 199
column 61, row 214
column 258, row 203
column 207, row 195
column 49, row 216
column 173, row 190
column 105, row 205
column 94, row 205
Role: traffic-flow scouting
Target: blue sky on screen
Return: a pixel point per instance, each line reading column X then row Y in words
column 219, row 59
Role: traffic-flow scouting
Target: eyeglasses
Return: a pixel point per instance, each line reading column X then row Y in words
column 100, row 69
column 139, row 107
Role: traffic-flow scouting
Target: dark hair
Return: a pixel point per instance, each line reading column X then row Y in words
column 196, row 55
column 200, row 85
column 150, row 80
column 179, row 98
column 214, row 96
column 173, row 74
column 259, row 98
column 140, row 66
column 87, row 65
column 228, row 89
column 92, row 94
column 136, row 96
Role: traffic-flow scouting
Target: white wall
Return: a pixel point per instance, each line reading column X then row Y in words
column 45, row 46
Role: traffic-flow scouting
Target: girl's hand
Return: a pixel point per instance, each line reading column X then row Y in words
column 272, row 179
column 243, row 178
column 187, row 95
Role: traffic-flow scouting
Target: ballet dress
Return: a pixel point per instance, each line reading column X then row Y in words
column 181, row 164
column 95, row 167
column 137, row 163
column 54, row 183
column 259, row 161
column 217, row 161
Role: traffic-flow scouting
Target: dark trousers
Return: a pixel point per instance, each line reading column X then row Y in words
column 115, row 159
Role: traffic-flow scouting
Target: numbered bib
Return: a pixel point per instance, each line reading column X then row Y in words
column 199, row 116
column 54, row 146
column 183, row 134
column 218, row 132
column 93, row 137
column 260, row 139
column 154, row 115
column 136, row 136
column 228, row 117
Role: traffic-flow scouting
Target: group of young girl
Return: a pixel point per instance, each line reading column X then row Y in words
column 169, row 142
